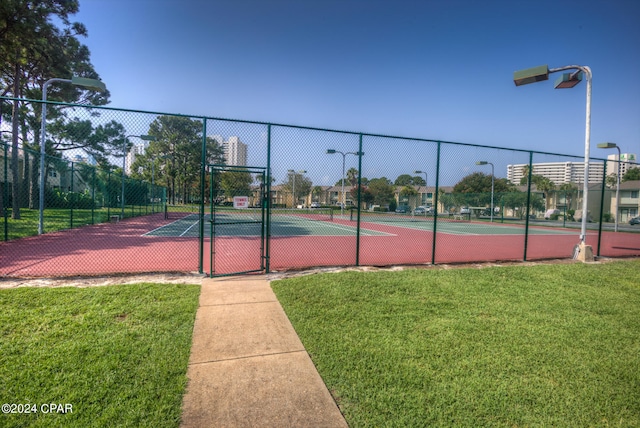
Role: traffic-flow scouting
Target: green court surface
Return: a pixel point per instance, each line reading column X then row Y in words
column 293, row 223
column 250, row 225
column 455, row 225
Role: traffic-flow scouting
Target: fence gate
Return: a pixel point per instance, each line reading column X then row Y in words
column 239, row 220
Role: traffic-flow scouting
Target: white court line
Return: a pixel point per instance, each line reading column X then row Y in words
column 363, row 232
column 166, row 225
column 189, row 228
column 466, row 233
column 352, row 228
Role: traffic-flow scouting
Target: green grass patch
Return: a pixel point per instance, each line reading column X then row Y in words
column 56, row 219
column 118, row 354
column 548, row 345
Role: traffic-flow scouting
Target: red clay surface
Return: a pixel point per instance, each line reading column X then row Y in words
column 409, row 246
column 100, row 249
column 121, row 248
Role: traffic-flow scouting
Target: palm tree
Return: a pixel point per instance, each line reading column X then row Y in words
column 525, row 176
column 352, row 176
column 569, row 190
column 315, row 193
column 547, row 186
column 407, row 192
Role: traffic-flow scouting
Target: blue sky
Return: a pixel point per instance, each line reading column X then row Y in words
column 428, row 69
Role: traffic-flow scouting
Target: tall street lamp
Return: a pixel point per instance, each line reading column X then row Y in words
column 124, row 158
column 615, row 146
column 568, row 80
column 344, row 155
column 93, row 84
column 425, row 184
column 492, row 181
column 293, row 188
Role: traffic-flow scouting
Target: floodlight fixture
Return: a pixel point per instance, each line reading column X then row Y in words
column 492, row 183
column 531, row 75
column 93, row 84
column 425, row 178
column 568, row 80
column 293, row 189
column 344, row 156
column 609, row 145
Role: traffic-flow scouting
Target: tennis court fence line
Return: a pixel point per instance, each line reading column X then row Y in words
column 108, row 177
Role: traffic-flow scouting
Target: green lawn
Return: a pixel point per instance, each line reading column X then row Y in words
column 548, row 345
column 117, row 355
column 63, row 218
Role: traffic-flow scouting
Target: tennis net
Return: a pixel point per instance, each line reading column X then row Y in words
column 252, row 215
column 392, row 217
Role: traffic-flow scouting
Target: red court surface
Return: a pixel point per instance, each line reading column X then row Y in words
column 122, row 248
column 101, row 249
column 406, row 246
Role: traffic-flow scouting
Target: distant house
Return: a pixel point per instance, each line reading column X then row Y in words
column 629, row 200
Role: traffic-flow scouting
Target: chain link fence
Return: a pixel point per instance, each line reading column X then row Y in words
column 143, row 183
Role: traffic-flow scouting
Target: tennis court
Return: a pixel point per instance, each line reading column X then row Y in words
column 300, row 238
column 292, row 222
column 455, row 225
column 155, row 244
column 248, row 222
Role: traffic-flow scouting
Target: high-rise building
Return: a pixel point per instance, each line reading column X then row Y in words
column 235, row 152
column 627, row 161
column 558, row 172
column 136, row 149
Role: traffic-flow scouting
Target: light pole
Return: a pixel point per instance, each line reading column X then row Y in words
column 615, row 146
column 124, row 158
column 92, row 84
column 344, row 155
column 568, row 80
column 293, row 188
column 425, row 185
column 492, row 180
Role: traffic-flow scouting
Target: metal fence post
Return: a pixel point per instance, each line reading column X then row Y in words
column 526, row 223
column 93, row 196
column 5, row 195
column 604, row 181
column 71, row 197
column 267, row 226
column 359, row 199
column 108, row 191
column 435, row 209
column 203, row 163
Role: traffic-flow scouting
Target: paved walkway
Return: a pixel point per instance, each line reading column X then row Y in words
column 248, row 367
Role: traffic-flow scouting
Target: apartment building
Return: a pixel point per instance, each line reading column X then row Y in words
column 135, row 151
column 235, row 152
column 558, row 172
column 627, row 161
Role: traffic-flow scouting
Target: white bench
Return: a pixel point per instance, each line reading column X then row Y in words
column 114, row 218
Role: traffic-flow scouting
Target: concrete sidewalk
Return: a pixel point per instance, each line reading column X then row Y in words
column 248, row 367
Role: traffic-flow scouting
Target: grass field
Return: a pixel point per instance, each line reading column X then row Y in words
column 548, row 345
column 63, row 218
column 117, row 355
